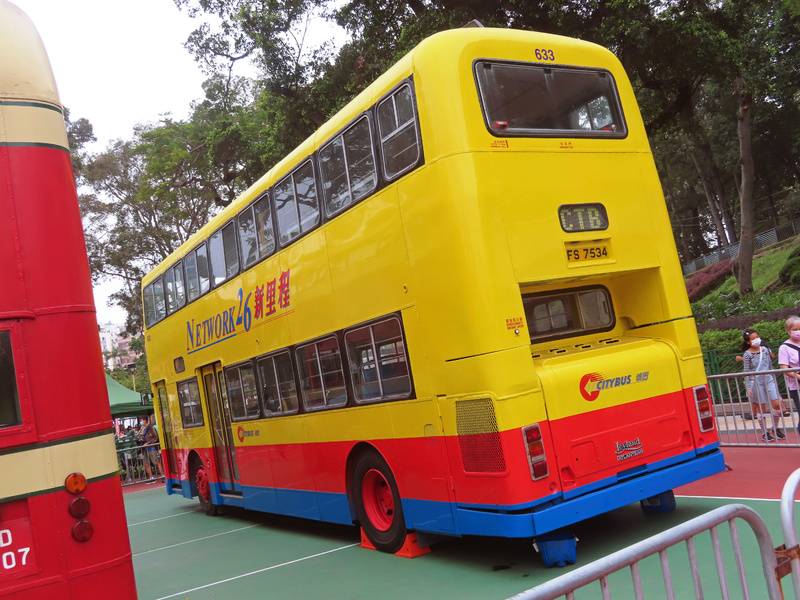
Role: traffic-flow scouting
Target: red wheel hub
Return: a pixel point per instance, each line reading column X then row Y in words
column 203, row 490
column 378, row 500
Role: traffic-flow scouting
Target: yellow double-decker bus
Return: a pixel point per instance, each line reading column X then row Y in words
column 455, row 309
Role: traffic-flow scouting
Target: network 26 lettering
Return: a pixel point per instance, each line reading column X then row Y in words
column 265, row 301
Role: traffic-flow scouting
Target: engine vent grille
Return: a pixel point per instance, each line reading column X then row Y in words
column 478, row 437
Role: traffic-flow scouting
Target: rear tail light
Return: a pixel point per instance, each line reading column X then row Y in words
column 78, row 507
column 82, row 531
column 75, row 483
column 534, row 446
column 704, row 412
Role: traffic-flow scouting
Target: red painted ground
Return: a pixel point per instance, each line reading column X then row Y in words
column 755, row 473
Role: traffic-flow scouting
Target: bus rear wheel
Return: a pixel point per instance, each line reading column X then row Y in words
column 378, row 505
column 204, row 490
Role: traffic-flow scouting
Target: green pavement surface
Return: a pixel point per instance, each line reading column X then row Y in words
column 180, row 552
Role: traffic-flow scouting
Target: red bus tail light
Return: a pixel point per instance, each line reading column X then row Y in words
column 704, row 413
column 82, row 531
column 79, row 507
column 534, row 446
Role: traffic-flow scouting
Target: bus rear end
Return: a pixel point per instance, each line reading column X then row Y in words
column 572, row 378
column 612, row 338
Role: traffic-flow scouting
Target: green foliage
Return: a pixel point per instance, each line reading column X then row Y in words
column 725, row 301
column 720, row 306
column 772, row 334
column 790, row 272
column 715, row 340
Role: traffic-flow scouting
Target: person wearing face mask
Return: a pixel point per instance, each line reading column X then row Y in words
column 762, row 389
column 789, row 358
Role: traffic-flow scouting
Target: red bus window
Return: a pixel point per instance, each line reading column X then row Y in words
column 9, row 395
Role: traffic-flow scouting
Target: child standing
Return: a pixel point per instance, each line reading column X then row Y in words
column 789, row 358
column 761, row 388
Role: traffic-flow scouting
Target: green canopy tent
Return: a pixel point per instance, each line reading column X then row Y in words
column 125, row 402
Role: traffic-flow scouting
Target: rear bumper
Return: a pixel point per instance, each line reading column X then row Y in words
column 560, row 514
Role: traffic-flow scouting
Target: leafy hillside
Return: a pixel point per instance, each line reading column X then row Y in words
column 721, row 314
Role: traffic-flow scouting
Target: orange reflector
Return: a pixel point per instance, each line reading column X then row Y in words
column 75, row 483
column 79, row 507
column 82, row 531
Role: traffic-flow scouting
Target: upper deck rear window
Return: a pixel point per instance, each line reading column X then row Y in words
column 528, row 100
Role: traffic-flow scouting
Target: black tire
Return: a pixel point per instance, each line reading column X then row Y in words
column 378, row 504
column 203, row 492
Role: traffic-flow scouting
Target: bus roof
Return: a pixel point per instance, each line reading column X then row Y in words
column 25, row 74
column 447, row 43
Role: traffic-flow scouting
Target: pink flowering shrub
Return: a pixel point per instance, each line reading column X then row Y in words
column 708, row 279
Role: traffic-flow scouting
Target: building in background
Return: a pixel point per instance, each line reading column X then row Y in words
column 115, row 343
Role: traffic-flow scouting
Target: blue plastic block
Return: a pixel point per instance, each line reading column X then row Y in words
column 557, row 549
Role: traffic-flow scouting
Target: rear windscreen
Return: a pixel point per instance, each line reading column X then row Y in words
column 521, row 99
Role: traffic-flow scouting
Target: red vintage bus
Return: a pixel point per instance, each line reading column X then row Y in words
column 63, row 532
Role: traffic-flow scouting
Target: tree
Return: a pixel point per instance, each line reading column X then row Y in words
column 150, row 195
column 682, row 56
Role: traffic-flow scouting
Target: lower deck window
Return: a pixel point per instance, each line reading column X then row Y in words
column 378, row 364
column 278, row 387
column 568, row 313
column 242, row 392
column 9, row 395
column 189, row 398
column 321, row 375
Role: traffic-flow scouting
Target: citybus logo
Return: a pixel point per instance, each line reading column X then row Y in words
column 242, row 433
column 588, row 394
column 592, row 383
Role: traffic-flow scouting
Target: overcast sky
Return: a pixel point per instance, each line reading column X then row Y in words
column 118, row 63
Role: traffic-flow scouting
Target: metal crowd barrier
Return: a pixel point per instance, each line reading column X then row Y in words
column 737, row 422
column 133, row 463
column 776, row 563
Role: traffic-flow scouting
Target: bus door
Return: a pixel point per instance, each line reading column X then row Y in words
column 222, row 433
column 167, row 441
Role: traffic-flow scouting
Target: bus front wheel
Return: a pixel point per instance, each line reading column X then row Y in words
column 378, row 505
column 204, row 490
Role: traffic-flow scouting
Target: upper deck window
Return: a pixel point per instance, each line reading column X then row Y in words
column 348, row 170
column 197, row 282
column 568, row 313
column 224, row 254
column 296, row 204
column 256, row 238
column 9, row 395
column 528, row 100
column 154, row 302
column 398, row 132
